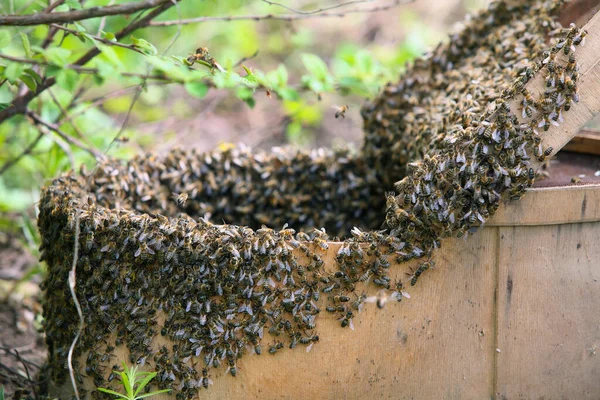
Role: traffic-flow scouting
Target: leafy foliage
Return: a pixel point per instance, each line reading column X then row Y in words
column 134, row 383
column 83, row 104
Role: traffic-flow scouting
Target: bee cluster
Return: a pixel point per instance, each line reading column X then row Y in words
column 445, row 137
column 159, row 274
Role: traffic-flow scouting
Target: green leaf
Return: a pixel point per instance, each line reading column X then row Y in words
column 29, row 82
column 288, row 94
column 145, row 46
column 144, row 382
column 57, row 56
column 110, row 54
column 74, row 4
column 110, row 36
column 4, row 106
column 34, row 75
column 170, row 69
column 26, row 44
column 5, row 38
column 79, row 27
column 67, row 79
column 196, row 88
column 13, row 71
column 316, row 66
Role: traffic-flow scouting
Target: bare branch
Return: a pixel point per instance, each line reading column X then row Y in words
column 82, row 70
column 281, row 17
column 319, row 10
column 70, row 139
column 26, row 151
column 78, row 15
column 100, row 39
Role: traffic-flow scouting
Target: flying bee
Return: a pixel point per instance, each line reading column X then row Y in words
column 341, row 111
column 380, row 299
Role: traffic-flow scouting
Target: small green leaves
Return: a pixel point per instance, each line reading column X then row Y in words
column 13, row 72
column 67, row 79
column 57, row 55
column 26, row 44
column 319, row 80
column 133, row 387
column 144, row 46
column 197, row 89
column 5, row 38
column 316, row 66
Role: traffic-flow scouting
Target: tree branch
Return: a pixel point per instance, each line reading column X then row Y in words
column 19, row 104
column 70, row 139
column 281, row 17
column 27, row 150
column 78, row 15
column 318, row 10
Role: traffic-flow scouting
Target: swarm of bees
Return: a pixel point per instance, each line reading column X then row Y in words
column 182, row 246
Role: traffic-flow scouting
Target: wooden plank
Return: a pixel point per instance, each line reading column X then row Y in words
column 548, row 319
column 588, row 86
column 587, row 141
column 549, row 206
column 443, row 334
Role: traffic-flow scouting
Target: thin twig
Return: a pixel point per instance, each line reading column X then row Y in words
column 64, row 113
column 78, row 68
column 35, row 396
column 100, row 39
column 116, row 93
column 281, row 17
column 70, row 139
column 103, row 20
column 53, row 6
column 78, row 15
column 27, row 150
column 244, row 59
column 319, row 10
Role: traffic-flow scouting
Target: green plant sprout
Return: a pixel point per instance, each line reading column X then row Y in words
column 133, row 388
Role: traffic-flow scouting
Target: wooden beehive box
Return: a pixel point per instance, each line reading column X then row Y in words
column 508, row 313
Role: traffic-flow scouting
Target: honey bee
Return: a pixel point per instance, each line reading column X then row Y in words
column 206, row 381
column 341, row 111
column 181, row 199
column 579, row 39
column 203, row 56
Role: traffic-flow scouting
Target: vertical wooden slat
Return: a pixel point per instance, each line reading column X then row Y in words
column 549, row 312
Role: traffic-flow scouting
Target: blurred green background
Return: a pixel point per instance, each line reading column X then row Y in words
column 309, row 67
